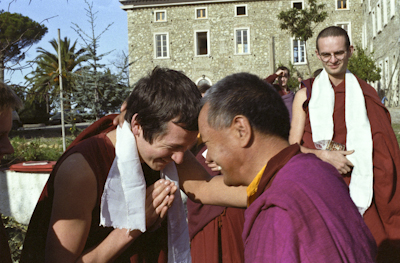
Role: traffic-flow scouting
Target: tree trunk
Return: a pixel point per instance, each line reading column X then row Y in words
column 308, row 62
column 1, row 68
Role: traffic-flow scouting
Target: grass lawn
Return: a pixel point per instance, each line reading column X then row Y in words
column 396, row 128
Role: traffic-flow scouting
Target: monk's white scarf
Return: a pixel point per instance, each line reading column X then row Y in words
column 124, row 197
column 359, row 137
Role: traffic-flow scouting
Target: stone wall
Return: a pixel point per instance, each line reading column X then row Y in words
column 269, row 45
column 382, row 36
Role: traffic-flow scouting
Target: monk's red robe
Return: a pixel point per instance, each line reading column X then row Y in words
column 287, row 97
column 303, row 213
column 215, row 231
column 383, row 216
column 99, row 152
column 5, row 256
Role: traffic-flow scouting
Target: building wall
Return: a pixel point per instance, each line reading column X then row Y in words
column 269, row 45
column 381, row 35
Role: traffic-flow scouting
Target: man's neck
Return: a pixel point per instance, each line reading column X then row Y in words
column 336, row 80
column 258, row 157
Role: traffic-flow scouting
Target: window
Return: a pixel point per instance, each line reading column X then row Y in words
column 240, row 10
column 201, row 13
column 160, row 16
column 242, row 37
column 385, row 15
column 297, row 5
column 341, row 4
column 202, row 43
column 379, row 16
column 161, row 45
column 299, row 51
column 380, row 65
column 364, row 36
column 392, row 8
column 346, row 26
column 203, row 81
column 373, row 23
column 387, row 71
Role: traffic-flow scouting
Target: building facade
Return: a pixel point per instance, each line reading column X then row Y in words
column 208, row 40
column 381, row 35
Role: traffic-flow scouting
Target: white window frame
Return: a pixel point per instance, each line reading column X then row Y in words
column 369, row 6
column 155, row 45
column 380, row 65
column 300, row 1
column 392, row 8
column 387, row 71
column 199, row 8
column 208, row 43
column 373, row 23
column 203, row 77
column 245, row 6
column 292, row 52
column 160, row 11
column 379, row 16
column 348, row 27
column 364, row 36
column 338, row 9
column 385, row 14
column 248, row 40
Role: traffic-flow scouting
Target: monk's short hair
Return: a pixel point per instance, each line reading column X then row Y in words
column 248, row 95
column 160, row 97
column 284, row 68
column 334, row 31
column 8, row 98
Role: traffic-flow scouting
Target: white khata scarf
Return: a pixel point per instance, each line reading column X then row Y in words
column 124, row 196
column 359, row 137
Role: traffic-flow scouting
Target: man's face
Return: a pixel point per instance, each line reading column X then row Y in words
column 221, row 148
column 165, row 148
column 334, row 55
column 283, row 79
column 5, row 127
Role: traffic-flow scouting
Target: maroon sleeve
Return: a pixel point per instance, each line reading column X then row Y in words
column 270, row 79
column 5, row 256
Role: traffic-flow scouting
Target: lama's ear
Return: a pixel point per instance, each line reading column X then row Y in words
column 242, row 130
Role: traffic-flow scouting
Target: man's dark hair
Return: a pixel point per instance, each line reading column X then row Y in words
column 334, row 31
column 160, row 97
column 204, row 87
column 284, row 68
column 8, row 99
column 248, row 95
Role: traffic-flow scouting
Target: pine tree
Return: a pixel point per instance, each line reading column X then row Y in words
column 96, row 87
column 17, row 32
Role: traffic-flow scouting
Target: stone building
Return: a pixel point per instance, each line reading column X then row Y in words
column 381, row 35
column 210, row 39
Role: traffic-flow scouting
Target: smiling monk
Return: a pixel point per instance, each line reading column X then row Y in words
column 299, row 208
column 341, row 119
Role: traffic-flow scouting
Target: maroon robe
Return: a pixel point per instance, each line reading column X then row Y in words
column 303, row 213
column 5, row 256
column 287, row 97
column 383, row 216
column 99, row 152
column 215, row 231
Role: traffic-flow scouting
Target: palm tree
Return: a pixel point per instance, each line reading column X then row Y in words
column 44, row 79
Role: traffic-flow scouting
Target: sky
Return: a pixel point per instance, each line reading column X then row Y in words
column 59, row 14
